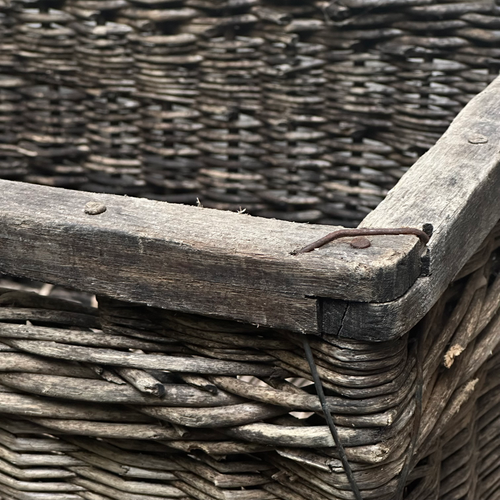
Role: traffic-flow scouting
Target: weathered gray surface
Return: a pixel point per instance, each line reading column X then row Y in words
column 239, row 267
column 193, row 259
column 456, row 188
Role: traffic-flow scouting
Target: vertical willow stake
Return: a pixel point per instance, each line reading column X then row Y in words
column 418, row 346
column 329, row 420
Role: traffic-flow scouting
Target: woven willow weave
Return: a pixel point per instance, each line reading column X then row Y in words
column 130, row 402
column 307, row 111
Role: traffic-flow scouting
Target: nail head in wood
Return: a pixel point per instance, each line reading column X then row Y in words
column 428, row 229
column 477, row 139
column 360, row 242
column 94, row 208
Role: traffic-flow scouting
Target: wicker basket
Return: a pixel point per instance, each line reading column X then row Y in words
column 299, row 112
column 129, row 401
column 302, row 111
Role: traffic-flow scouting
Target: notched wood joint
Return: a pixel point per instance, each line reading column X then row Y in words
column 332, row 313
column 425, row 263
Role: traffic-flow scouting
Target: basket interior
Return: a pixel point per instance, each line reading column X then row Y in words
column 305, row 111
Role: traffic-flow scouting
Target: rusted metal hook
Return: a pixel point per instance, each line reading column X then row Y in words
column 343, row 233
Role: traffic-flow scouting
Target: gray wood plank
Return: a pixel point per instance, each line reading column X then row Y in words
column 239, row 267
column 456, row 188
column 194, row 259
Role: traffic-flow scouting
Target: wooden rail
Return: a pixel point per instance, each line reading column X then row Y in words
column 455, row 187
column 194, row 259
column 240, row 267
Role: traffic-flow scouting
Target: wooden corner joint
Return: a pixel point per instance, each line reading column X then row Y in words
column 375, row 321
column 454, row 187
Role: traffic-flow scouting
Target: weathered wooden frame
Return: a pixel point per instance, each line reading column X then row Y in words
column 240, row 267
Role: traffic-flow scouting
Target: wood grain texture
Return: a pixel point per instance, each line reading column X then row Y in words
column 193, row 259
column 455, row 187
column 239, row 267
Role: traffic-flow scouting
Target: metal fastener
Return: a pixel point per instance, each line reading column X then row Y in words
column 360, row 242
column 94, row 208
column 343, row 233
column 477, row 139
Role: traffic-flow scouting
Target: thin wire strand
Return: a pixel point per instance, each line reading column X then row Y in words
column 329, row 419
